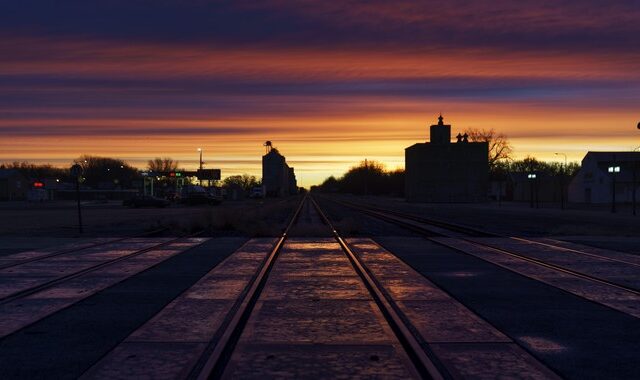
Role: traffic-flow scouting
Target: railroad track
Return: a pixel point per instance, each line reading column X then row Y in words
column 475, row 232
column 439, row 231
column 304, row 305
column 425, row 362
column 213, row 364
column 29, row 290
column 78, row 248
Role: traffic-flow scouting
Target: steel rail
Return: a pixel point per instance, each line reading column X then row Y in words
column 437, row 223
column 59, row 280
column 424, row 364
column 576, row 251
column 76, row 249
column 428, row 235
column 472, row 231
column 222, row 349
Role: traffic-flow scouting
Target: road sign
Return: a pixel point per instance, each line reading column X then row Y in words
column 208, row 174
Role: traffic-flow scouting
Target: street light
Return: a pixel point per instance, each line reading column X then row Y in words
column 613, row 170
column 532, row 177
column 564, row 169
column 199, row 177
column 76, row 173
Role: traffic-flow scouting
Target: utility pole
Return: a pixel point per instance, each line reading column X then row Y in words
column 635, row 185
column 615, row 169
column 635, row 181
column 532, row 178
column 76, row 172
column 199, row 178
column 366, row 175
column 562, row 175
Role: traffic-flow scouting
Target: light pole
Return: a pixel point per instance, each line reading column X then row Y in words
column 532, row 177
column 200, row 175
column 76, row 172
column 613, row 170
column 635, row 184
column 564, row 169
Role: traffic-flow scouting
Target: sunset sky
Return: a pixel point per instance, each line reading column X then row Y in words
column 329, row 82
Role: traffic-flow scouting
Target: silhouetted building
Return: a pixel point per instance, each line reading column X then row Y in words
column 544, row 188
column 441, row 171
column 278, row 178
column 13, row 185
column 594, row 182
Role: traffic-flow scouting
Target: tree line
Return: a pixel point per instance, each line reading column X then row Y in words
column 371, row 177
column 366, row 178
column 100, row 171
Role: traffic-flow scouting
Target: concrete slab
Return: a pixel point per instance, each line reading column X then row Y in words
column 16, row 315
column 616, row 298
column 218, row 287
column 51, row 268
column 440, row 319
column 289, row 288
column 189, row 322
column 147, row 361
column 34, row 307
column 622, row 273
column 68, row 342
column 312, row 322
column 577, row 338
column 319, row 362
column 450, row 322
column 605, row 240
column 184, row 320
column 318, row 322
column 15, row 249
column 491, row 361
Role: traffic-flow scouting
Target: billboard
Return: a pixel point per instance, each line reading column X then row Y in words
column 208, row 174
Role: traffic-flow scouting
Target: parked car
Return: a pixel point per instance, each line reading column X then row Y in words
column 172, row 196
column 145, row 201
column 257, row 192
column 37, row 195
column 197, row 195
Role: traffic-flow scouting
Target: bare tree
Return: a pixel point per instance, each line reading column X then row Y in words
column 245, row 181
column 165, row 164
column 499, row 147
column 98, row 171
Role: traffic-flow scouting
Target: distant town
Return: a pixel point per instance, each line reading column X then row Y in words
column 476, row 167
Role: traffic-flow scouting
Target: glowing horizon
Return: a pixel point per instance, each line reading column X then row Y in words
column 329, row 85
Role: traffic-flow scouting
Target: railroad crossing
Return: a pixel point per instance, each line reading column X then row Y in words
column 308, row 303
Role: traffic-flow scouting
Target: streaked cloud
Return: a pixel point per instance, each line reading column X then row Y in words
column 330, row 82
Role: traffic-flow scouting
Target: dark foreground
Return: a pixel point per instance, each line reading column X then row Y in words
column 401, row 298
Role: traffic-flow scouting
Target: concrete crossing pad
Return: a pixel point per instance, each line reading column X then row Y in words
column 315, row 316
column 467, row 345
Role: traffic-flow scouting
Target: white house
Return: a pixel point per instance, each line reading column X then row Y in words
column 601, row 172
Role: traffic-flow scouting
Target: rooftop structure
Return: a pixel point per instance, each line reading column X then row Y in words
column 594, row 183
column 439, row 171
column 278, row 179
